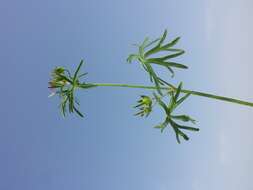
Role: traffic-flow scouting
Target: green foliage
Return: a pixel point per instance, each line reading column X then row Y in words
column 147, row 49
column 150, row 53
column 170, row 118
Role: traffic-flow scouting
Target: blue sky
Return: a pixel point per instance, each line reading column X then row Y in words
column 110, row 148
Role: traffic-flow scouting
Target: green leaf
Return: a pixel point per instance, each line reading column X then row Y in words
column 71, row 102
column 154, row 77
column 77, row 70
column 183, row 135
column 172, row 72
column 172, row 55
column 183, row 127
column 78, row 112
column 184, row 118
column 178, row 91
column 159, row 126
column 177, row 131
column 182, row 99
column 163, row 125
column 146, row 69
column 145, row 43
column 157, row 47
column 152, row 42
column 63, row 105
column 159, row 61
column 82, row 75
column 168, row 84
column 132, row 57
column 162, row 38
column 172, row 102
column 142, row 46
column 172, row 50
column 162, row 104
column 188, row 128
column 172, row 43
column 77, row 101
column 146, row 63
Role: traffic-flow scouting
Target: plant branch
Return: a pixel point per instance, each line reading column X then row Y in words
column 196, row 93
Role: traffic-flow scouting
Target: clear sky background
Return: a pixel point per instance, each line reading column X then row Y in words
column 111, row 149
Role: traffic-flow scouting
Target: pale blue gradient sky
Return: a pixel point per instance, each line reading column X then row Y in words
column 111, row 149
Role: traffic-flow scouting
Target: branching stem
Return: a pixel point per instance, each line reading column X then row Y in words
column 196, row 93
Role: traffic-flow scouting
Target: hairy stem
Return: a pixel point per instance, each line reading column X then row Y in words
column 196, row 93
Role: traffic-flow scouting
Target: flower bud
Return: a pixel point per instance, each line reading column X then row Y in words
column 144, row 105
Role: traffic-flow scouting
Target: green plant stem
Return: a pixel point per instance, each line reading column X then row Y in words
column 196, row 93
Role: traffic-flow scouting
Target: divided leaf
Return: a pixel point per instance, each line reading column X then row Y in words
column 143, row 57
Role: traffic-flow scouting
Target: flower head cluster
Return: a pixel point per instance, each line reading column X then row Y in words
column 58, row 78
column 148, row 49
column 144, row 106
column 64, row 84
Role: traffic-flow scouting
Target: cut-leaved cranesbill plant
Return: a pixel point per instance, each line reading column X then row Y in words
column 150, row 52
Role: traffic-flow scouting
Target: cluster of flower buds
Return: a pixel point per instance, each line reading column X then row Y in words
column 144, row 106
column 65, row 85
column 58, row 80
